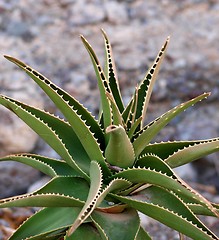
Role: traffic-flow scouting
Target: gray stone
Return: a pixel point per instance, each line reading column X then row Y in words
column 116, row 13
column 81, row 15
column 15, row 178
column 15, row 135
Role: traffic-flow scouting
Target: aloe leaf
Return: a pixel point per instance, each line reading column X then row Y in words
column 143, row 175
column 128, row 110
column 116, row 115
column 194, row 152
column 133, row 128
column 119, row 151
column 73, row 186
column 130, row 120
column 76, row 115
column 142, row 139
column 100, row 230
column 199, row 209
column 110, row 72
column 165, row 149
column 53, row 194
column 85, row 231
column 169, row 218
column 116, row 185
column 47, row 221
column 94, row 192
column 41, row 200
column 146, row 86
column 47, row 85
column 162, row 197
column 216, row 206
column 116, row 226
column 142, row 234
column 49, row 166
column 154, row 162
column 102, row 84
column 57, row 133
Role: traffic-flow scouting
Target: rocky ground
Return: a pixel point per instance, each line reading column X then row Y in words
column 45, row 34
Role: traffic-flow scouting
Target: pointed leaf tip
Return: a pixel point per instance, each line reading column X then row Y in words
column 15, row 60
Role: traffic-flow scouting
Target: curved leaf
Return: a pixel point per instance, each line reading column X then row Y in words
column 94, row 192
column 85, row 231
column 146, row 86
column 49, row 166
column 163, row 180
column 169, row 218
column 111, row 73
column 154, row 162
column 165, row 149
column 143, row 137
column 102, row 84
column 114, row 186
column 57, row 133
column 77, row 116
column 53, row 194
column 116, row 115
column 116, row 226
column 191, row 153
column 142, row 235
column 46, row 222
column 198, row 209
column 162, row 197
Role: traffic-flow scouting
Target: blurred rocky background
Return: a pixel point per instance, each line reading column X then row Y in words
column 45, row 35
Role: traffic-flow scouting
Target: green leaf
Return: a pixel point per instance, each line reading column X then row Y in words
column 142, row 138
column 199, row 209
column 57, row 133
column 102, row 84
column 116, row 185
column 165, row 149
column 110, row 72
column 194, row 152
column 100, row 230
column 47, row 221
column 169, row 218
column 156, row 163
column 116, row 226
column 143, row 235
column 53, row 194
column 130, row 119
column 163, row 180
column 119, row 151
column 164, row 198
column 49, row 166
column 85, row 231
column 75, row 187
column 146, row 86
column 94, row 192
column 76, row 115
column 47, row 86
column 116, row 115
column 133, row 128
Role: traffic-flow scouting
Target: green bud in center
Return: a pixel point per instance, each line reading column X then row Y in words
column 119, row 151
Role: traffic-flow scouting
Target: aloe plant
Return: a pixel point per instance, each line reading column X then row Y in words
column 109, row 169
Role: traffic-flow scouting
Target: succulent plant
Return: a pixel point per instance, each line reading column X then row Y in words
column 109, row 168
